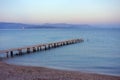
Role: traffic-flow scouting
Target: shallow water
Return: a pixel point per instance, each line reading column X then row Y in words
column 99, row 53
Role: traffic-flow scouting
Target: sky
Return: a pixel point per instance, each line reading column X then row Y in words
column 60, row 11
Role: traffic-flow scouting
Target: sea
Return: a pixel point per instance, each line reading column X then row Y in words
column 99, row 53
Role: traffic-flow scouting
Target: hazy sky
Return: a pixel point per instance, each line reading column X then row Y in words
column 60, row 11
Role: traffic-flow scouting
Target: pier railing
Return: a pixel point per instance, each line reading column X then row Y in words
column 35, row 48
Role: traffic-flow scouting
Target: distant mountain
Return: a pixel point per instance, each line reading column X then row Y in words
column 58, row 25
column 117, row 26
column 4, row 25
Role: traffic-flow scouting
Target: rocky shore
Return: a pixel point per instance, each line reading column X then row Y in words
column 15, row 72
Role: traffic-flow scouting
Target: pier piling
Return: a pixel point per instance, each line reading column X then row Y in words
column 28, row 50
column 11, row 53
column 34, row 49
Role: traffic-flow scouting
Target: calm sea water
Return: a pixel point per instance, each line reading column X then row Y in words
column 99, row 53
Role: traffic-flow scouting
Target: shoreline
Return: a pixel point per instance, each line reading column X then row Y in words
column 16, row 72
column 64, row 69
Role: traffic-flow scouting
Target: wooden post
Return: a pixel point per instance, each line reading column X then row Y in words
column 61, row 43
column 45, row 47
column 7, row 54
column 58, row 44
column 49, row 46
column 76, row 40
column 28, row 50
column 64, row 43
column 69, row 42
column 20, row 51
column 11, row 53
column 73, row 41
column 54, row 45
column 38, row 48
column 34, row 49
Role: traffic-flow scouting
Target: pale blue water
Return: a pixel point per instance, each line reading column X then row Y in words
column 99, row 53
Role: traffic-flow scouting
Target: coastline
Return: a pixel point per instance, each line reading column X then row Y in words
column 15, row 72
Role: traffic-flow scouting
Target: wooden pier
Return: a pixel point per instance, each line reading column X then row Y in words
column 35, row 48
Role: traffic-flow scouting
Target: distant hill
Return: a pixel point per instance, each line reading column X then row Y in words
column 58, row 25
column 4, row 25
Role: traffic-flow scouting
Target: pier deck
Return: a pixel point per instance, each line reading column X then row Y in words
column 38, row 47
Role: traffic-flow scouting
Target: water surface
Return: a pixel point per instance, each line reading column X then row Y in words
column 99, row 53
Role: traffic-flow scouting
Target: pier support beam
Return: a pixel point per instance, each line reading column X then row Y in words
column 11, row 53
column 34, row 49
column 28, row 50
column 49, row 46
column 45, row 47
column 67, row 43
column 56, row 44
column 20, row 51
column 7, row 54
column 53, row 45
column 38, row 48
column 64, row 43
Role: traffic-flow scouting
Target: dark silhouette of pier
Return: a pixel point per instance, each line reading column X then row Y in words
column 35, row 48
